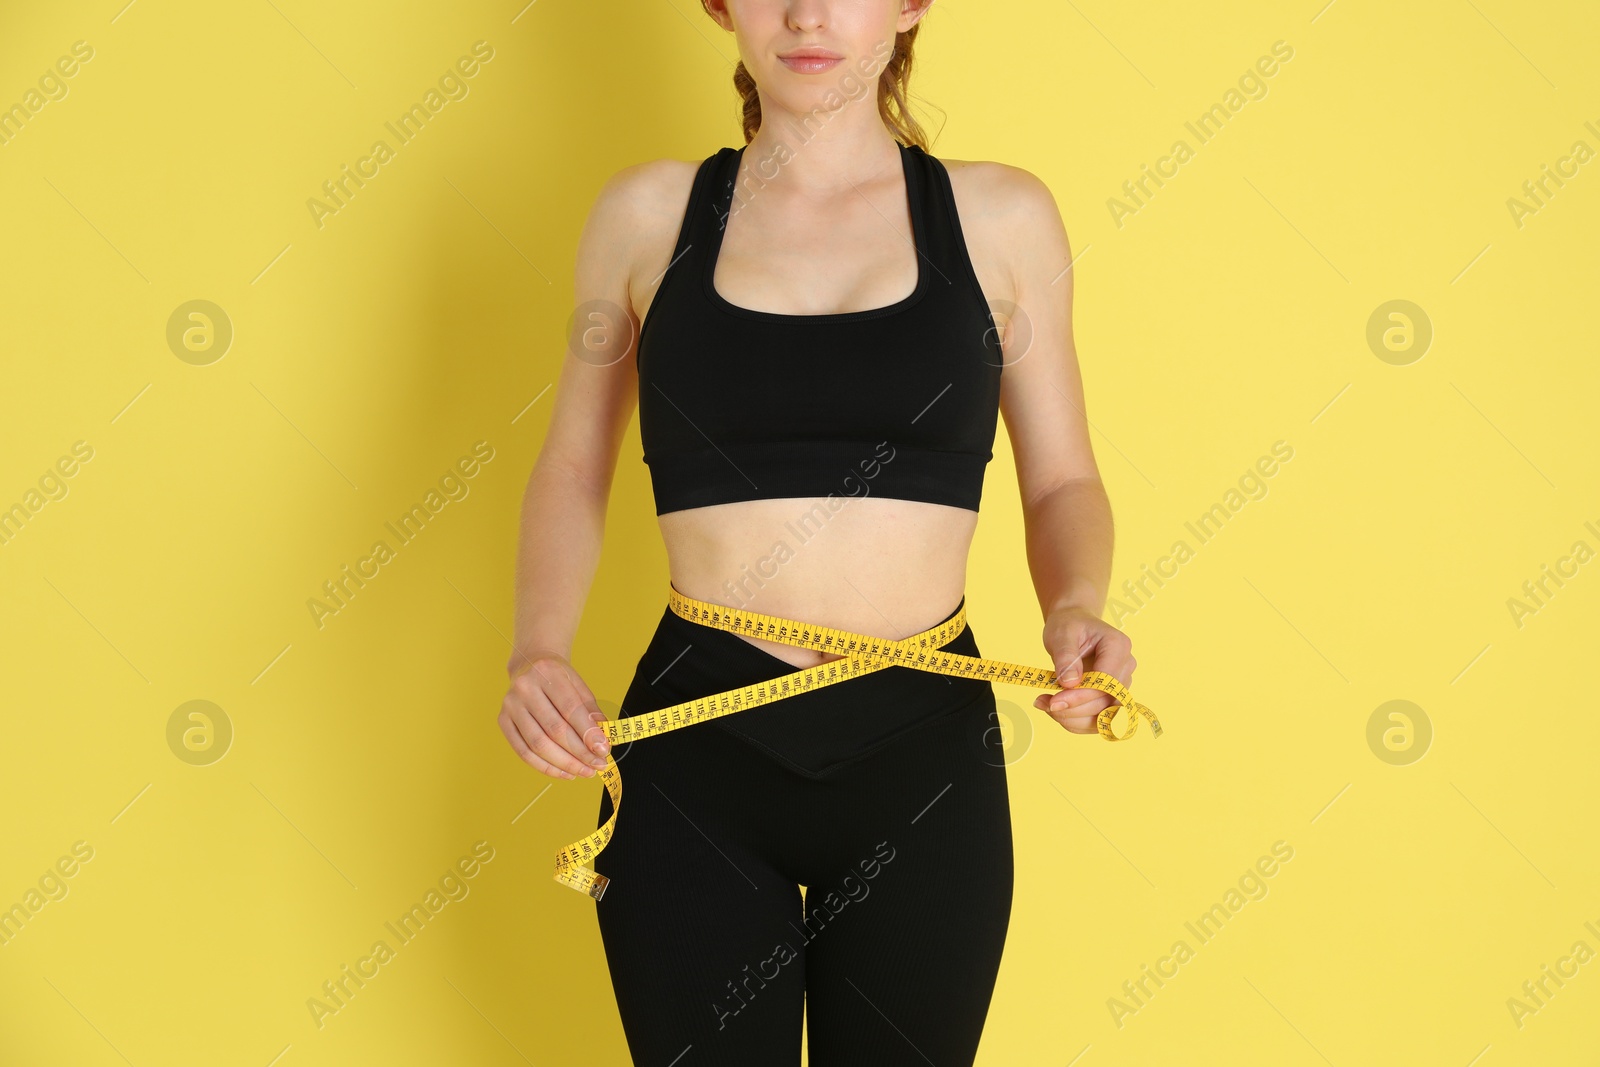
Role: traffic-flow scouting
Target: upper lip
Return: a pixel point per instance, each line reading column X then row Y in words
column 810, row 53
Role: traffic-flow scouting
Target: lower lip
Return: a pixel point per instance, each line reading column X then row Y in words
column 810, row 64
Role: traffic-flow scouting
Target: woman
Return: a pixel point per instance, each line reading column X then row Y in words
column 819, row 381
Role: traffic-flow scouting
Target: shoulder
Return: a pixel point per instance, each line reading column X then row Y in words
column 1001, row 193
column 632, row 227
column 1009, row 218
column 644, row 197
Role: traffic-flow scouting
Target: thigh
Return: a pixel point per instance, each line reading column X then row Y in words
column 698, row 924
column 906, row 937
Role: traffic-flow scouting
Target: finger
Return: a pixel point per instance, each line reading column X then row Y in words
column 590, row 716
column 1084, row 701
column 534, row 718
column 557, row 741
column 1075, row 723
column 559, row 708
column 1066, row 650
column 1115, row 658
column 1110, row 652
column 1069, row 668
column 1072, row 699
column 1069, row 664
column 526, row 754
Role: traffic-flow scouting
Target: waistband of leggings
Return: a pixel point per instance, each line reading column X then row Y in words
column 703, row 627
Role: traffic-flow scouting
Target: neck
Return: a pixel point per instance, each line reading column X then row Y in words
column 826, row 153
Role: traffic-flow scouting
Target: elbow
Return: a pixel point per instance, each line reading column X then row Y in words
column 1038, row 497
column 577, row 483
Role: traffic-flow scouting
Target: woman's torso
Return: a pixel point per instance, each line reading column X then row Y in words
column 767, row 301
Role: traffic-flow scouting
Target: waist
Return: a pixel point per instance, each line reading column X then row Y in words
column 810, row 730
column 812, row 733
column 876, row 565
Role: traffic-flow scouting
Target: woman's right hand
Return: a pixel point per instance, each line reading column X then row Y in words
column 551, row 718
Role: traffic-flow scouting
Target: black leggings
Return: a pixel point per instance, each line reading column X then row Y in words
column 884, row 795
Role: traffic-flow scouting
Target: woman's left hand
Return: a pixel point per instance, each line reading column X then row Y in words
column 1079, row 641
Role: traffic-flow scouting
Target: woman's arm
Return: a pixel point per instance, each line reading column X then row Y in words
column 1066, row 513
column 564, row 505
column 548, row 713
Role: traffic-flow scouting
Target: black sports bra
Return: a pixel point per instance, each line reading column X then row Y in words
column 897, row 401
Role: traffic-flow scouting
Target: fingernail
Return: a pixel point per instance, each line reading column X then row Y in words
column 565, row 775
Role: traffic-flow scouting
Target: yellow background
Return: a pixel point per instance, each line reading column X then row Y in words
column 369, row 354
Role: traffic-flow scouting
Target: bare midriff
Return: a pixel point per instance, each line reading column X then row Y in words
column 869, row 564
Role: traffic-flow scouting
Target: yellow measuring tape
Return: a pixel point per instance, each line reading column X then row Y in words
column 862, row 654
